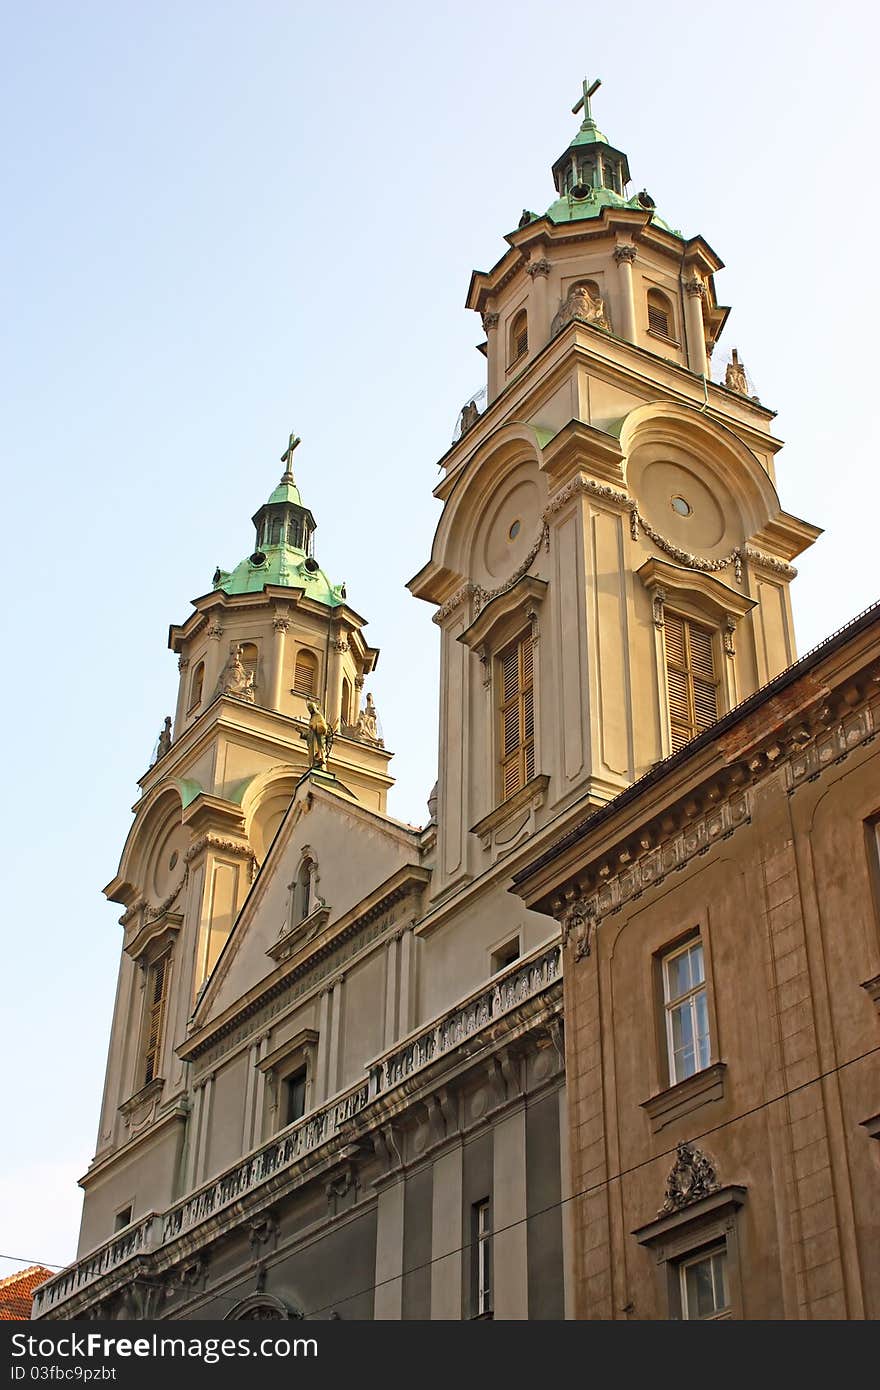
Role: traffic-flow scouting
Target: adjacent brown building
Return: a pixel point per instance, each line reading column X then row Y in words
column 722, row 982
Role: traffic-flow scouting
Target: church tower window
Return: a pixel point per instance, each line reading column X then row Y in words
column 517, row 715
column 691, row 678
column 519, row 336
column 157, row 994
column 305, row 673
column 660, row 316
column 197, row 685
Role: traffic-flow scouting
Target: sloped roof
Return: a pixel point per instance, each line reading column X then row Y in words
column 17, row 1292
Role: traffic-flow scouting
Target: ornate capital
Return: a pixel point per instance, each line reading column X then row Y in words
column 541, row 267
column 625, row 253
column 281, row 624
column 694, row 285
column 490, row 321
column 729, row 630
column 340, row 645
column 215, row 631
column 182, row 663
column 358, row 682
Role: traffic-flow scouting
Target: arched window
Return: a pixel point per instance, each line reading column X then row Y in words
column 196, row 686
column 249, row 656
column 275, row 531
column 305, row 673
column 519, row 336
column 345, row 712
column 294, row 532
column 302, row 899
column 660, row 316
column 611, row 175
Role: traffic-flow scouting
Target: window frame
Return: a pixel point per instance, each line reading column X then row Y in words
column 315, row 663
column 482, row 1238
column 672, row 1003
column 711, row 1254
column 196, row 695
column 523, row 702
column 682, row 1237
column 516, row 353
column 299, row 1053
column 150, row 1058
column 668, row 308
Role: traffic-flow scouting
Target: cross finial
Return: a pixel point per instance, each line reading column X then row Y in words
column 583, row 104
column 287, row 456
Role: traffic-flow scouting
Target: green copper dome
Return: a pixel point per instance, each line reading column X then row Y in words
column 591, row 175
column 283, row 554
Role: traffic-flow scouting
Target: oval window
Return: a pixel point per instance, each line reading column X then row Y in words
column 514, row 531
column 680, row 506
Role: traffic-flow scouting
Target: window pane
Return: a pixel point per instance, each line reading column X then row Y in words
column 700, row 1290
column 701, row 1010
column 698, row 969
column 678, row 976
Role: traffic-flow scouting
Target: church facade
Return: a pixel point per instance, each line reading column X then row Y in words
column 345, row 1078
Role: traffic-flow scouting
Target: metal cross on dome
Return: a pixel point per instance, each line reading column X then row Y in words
column 584, row 103
column 287, row 456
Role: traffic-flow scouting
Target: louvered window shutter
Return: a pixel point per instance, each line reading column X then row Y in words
column 305, row 673
column 157, row 988
column 517, row 716
column 691, row 681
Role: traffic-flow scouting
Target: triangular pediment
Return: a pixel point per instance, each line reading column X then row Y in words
column 353, row 851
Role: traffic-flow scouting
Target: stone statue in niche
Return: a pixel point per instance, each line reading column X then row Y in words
column 236, row 679
column 580, row 304
column 164, row 739
column 735, row 375
column 368, row 721
column 318, row 737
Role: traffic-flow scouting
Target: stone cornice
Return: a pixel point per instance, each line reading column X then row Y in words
column 703, row 793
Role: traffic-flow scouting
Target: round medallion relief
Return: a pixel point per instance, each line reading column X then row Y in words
column 511, row 530
column 684, row 508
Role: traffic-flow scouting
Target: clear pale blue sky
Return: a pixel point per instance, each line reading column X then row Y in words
column 224, row 221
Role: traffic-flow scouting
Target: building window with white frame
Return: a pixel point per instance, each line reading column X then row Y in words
column 482, row 1240
column 687, row 1011
column 704, row 1285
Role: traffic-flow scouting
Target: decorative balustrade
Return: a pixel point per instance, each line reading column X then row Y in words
column 134, row 1240
column 523, row 980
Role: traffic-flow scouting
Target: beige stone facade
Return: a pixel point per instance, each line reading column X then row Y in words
column 338, row 1081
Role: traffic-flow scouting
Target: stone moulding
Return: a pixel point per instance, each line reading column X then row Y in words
column 476, row 1016
column 652, row 865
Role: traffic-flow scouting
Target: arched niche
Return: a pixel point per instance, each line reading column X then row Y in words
column 694, row 480
column 261, row 1307
column 153, row 858
column 504, row 476
column 265, row 805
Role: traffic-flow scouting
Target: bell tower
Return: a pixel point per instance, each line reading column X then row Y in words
column 611, row 569
column 271, row 641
